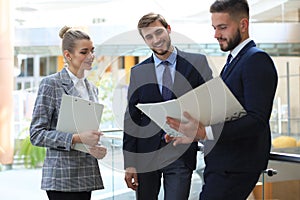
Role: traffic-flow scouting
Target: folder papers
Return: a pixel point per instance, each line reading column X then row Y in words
column 210, row 103
column 77, row 115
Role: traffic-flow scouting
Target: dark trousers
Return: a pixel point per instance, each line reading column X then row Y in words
column 57, row 195
column 228, row 185
column 176, row 182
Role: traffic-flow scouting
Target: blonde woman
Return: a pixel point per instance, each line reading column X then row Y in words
column 67, row 173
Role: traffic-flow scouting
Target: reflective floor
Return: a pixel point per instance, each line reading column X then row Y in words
column 20, row 184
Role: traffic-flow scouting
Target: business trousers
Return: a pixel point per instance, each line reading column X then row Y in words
column 228, row 185
column 57, row 195
column 176, row 182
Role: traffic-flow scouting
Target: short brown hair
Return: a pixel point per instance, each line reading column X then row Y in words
column 237, row 9
column 149, row 18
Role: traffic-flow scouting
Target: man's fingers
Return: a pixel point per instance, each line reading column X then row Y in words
column 182, row 140
column 188, row 116
column 177, row 141
column 135, row 178
column 173, row 123
column 131, row 181
column 168, row 138
column 129, row 184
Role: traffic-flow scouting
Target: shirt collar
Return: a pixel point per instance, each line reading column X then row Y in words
column 239, row 47
column 73, row 77
column 171, row 58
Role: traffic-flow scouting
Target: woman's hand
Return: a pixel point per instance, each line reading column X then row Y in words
column 90, row 138
column 98, row 151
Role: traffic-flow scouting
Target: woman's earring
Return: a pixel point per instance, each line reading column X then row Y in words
column 70, row 58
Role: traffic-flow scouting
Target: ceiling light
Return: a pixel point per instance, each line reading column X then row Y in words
column 26, row 9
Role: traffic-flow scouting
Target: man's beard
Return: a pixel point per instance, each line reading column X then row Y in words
column 232, row 43
column 163, row 52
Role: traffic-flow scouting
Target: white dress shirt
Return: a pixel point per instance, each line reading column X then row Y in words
column 79, row 85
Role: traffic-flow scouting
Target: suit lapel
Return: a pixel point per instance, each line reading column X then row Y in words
column 67, row 84
column 183, row 69
column 234, row 62
column 149, row 77
column 230, row 67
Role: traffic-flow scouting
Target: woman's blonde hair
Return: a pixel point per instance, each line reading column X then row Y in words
column 70, row 36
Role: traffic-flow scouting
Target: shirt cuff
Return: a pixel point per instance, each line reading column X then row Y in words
column 209, row 133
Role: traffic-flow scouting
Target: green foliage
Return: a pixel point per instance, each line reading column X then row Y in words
column 33, row 156
column 106, row 90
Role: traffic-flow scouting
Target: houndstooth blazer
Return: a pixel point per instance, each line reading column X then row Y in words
column 64, row 169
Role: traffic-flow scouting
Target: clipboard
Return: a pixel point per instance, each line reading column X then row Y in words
column 77, row 115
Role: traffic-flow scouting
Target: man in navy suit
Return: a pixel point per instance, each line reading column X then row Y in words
column 147, row 156
column 236, row 152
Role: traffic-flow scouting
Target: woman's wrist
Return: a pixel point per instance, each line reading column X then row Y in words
column 76, row 139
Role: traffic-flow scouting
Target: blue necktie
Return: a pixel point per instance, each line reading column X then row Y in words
column 167, row 82
column 167, row 85
column 227, row 64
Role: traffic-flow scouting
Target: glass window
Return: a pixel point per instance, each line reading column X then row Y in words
column 29, row 67
column 43, row 66
column 26, row 67
column 52, row 67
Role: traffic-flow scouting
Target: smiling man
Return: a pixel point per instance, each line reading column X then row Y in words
column 167, row 74
column 239, row 150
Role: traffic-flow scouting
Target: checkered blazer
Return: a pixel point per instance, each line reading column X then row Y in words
column 64, row 169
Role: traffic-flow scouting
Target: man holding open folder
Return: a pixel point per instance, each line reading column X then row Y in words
column 238, row 150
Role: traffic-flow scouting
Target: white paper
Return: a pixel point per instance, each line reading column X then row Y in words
column 77, row 115
column 210, row 103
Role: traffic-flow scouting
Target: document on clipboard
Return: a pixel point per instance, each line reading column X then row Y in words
column 210, row 103
column 77, row 115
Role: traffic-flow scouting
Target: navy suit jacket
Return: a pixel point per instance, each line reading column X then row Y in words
column 244, row 144
column 142, row 137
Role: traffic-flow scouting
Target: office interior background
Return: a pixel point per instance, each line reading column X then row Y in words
column 31, row 49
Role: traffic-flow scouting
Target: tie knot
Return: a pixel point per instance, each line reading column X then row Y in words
column 165, row 63
column 228, row 58
column 227, row 64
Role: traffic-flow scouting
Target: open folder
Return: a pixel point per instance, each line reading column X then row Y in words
column 209, row 103
column 77, row 115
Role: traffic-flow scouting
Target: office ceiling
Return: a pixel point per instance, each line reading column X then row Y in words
column 49, row 13
column 118, row 16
